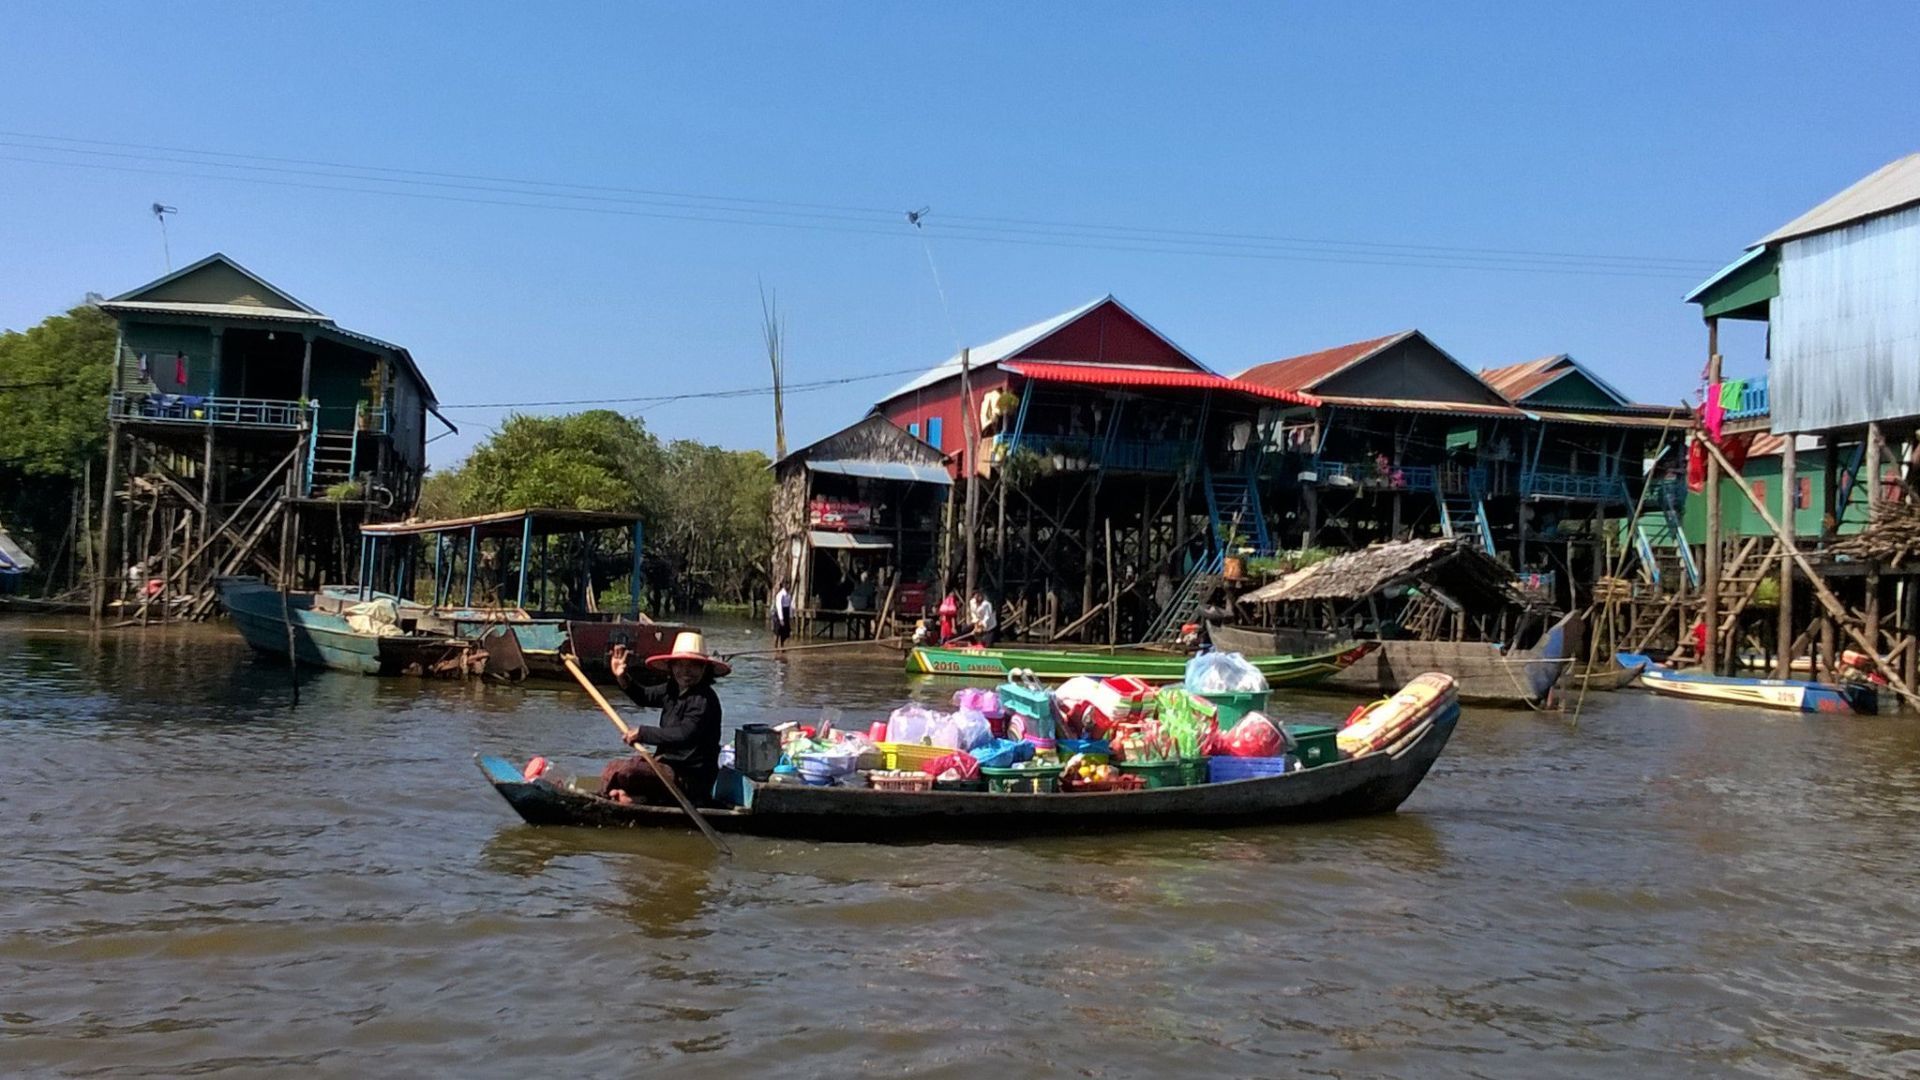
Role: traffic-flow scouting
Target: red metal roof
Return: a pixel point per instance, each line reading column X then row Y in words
column 1305, row 371
column 1161, row 377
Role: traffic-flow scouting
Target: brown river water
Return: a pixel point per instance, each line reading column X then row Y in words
column 201, row 879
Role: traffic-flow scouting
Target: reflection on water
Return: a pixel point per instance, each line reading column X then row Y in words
column 204, row 878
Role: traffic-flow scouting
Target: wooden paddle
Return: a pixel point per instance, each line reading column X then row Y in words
column 713, row 836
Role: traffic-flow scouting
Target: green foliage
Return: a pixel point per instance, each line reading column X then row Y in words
column 597, row 460
column 706, row 510
column 344, row 491
column 54, row 380
column 1766, row 594
column 53, row 393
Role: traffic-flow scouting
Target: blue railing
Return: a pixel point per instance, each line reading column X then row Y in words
column 372, row 418
column 1369, row 474
column 192, row 409
column 1751, row 401
column 1561, row 485
column 1095, row 452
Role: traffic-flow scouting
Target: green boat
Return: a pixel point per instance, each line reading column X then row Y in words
column 1062, row 664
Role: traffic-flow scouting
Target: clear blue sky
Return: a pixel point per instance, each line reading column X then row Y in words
column 1652, row 135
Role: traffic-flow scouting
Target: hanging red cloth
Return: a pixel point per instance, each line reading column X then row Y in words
column 1696, row 466
column 180, row 368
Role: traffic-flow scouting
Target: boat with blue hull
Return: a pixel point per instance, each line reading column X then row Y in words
column 1792, row 695
column 321, row 635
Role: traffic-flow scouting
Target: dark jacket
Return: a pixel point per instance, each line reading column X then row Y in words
column 688, row 735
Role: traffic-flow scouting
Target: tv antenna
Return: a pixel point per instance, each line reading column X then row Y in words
column 160, row 213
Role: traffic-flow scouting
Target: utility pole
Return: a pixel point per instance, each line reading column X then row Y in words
column 970, row 435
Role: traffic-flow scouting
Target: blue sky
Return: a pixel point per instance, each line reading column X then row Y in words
column 1650, row 143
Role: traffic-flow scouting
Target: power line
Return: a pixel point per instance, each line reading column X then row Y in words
column 690, row 206
column 662, row 399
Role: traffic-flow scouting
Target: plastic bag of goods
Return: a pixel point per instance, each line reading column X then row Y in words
column 910, row 724
column 1224, row 673
column 1004, row 753
column 970, row 730
column 958, row 765
column 1254, row 736
column 1391, row 720
column 1187, row 719
column 983, row 701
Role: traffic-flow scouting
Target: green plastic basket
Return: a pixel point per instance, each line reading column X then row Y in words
column 1157, row 774
column 1022, row 781
column 1235, row 705
column 1193, row 770
column 1315, row 744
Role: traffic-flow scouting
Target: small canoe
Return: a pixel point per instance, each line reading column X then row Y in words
column 1062, row 664
column 1792, row 695
column 1484, row 673
column 1376, row 783
column 1617, row 677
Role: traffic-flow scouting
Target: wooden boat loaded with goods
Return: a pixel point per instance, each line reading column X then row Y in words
column 1139, row 775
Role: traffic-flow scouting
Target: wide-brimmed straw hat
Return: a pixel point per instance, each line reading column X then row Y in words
column 690, row 645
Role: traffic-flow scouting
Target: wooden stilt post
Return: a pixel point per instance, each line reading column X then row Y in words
column 1113, row 602
column 970, row 434
column 104, row 560
column 1871, row 468
column 1789, row 504
column 1710, row 591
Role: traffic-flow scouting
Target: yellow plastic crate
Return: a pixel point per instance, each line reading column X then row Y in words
column 909, row 756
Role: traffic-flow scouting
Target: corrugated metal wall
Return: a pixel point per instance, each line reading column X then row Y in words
column 1846, row 326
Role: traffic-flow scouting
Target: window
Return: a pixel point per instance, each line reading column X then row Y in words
column 913, row 429
column 1804, row 498
column 933, row 432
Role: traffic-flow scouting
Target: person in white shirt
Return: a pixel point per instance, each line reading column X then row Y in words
column 782, row 616
column 986, row 624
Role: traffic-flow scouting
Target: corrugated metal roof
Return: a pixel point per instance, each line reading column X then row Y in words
column 1721, row 274
column 1135, row 375
column 1890, row 187
column 1307, row 370
column 511, row 523
column 1414, row 405
column 824, row 538
column 1611, row 419
column 229, row 311
column 1000, row 348
column 884, row 470
column 1516, row 381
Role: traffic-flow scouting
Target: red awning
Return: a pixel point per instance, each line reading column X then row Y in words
column 1140, row 376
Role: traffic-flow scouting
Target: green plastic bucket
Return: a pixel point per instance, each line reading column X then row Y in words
column 1193, row 770
column 1232, row 706
column 1157, row 774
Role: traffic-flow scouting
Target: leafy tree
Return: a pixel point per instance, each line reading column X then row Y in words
column 597, row 460
column 54, row 380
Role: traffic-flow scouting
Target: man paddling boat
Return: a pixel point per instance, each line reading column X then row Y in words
column 686, row 741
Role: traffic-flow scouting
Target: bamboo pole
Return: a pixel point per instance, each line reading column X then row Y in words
column 1836, row 611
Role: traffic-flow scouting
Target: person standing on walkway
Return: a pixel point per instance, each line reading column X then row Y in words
column 782, row 616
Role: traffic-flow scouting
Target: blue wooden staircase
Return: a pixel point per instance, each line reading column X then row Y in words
column 1463, row 513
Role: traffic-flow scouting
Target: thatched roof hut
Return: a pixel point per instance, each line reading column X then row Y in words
column 1449, row 565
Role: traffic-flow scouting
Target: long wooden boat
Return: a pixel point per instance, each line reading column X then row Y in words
column 1483, row 672
column 1060, row 664
column 320, row 634
column 1373, row 784
column 1793, row 695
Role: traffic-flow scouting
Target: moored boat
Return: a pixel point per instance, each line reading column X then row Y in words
column 1375, row 783
column 1793, row 695
column 1485, row 674
column 321, row 634
column 1618, row 676
column 1151, row 666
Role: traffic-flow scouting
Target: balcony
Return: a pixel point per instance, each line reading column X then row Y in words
column 1750, row 403
column 1587, row 487
column 204, row 411
column 1068, row 453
